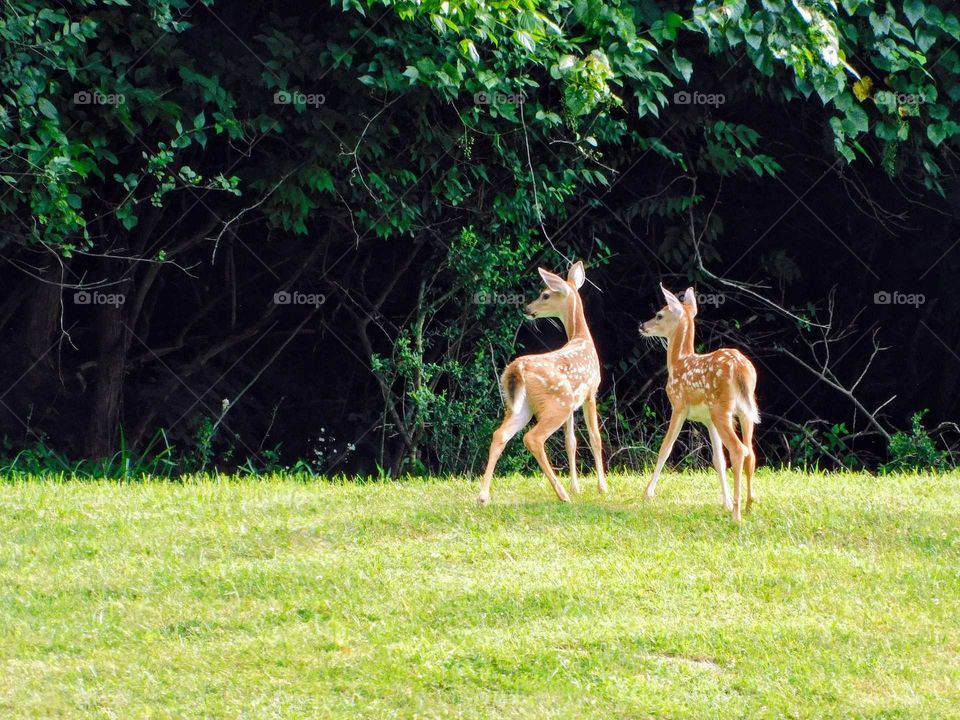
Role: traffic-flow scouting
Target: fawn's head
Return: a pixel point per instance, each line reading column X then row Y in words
column 665, row 323
column 554, row 301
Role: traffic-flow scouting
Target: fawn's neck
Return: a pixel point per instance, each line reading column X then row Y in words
column 680, row 344
column 575, row 322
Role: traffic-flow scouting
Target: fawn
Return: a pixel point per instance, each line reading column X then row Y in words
column 551, row 386
column 709, row 389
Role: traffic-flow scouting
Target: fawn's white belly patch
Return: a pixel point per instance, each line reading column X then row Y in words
column 699, row 413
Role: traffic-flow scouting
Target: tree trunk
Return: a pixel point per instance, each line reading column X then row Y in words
column 36, row 382
column 43, row 314
column 113, row 343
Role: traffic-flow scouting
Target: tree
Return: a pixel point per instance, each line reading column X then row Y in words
column 406, row 159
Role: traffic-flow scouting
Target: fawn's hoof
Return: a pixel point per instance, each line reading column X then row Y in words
column 483, row 500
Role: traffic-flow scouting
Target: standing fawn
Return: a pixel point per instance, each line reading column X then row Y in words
column 710, row 389
column 551, row 386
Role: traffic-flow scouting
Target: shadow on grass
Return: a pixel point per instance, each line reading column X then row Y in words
column 585, row 515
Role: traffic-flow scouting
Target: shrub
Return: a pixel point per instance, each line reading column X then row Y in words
column 915, row 450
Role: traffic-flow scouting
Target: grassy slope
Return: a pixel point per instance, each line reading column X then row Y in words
column 839, row 595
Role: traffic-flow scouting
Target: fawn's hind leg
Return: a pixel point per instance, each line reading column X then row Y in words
column 750, row 458
column 511, row 425
column 535, row 439
column 723, row 421
column 720, row 463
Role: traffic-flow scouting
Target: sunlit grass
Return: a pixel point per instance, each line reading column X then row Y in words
column 838, row 596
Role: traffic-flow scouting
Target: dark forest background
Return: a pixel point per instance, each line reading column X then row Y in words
column 269, row 235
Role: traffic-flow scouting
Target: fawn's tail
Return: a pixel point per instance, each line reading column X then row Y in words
column 514, row 392
column 746, row 393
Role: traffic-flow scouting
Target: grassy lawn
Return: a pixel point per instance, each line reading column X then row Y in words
column 839, row 596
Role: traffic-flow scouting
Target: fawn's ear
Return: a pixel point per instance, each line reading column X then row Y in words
column 554, row 282
column 577, row 274
column 673, row 302
column 690, row 299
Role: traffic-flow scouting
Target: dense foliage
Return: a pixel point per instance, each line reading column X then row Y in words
column 247, row 236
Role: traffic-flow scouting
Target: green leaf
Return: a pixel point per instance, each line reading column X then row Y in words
column 47, row 108
column 523, row 37
column 914, row 10
column 426, row 67
column 684, row 66
column 470, row 50
column 857, row 120
column 951, row 25
column 933, row 15
column 126, row 217
column 937, row 133
column 672, row 20
column 925, row 39
column 938, row 112
column 322, row 180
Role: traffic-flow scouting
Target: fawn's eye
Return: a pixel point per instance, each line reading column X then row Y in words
column 545, row 295
column 659, row 316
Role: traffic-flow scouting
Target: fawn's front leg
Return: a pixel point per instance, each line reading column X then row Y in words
column 570, row 440
column 596, row 445
column 676, row 422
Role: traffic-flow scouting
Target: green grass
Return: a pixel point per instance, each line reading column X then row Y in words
column 839, row 596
